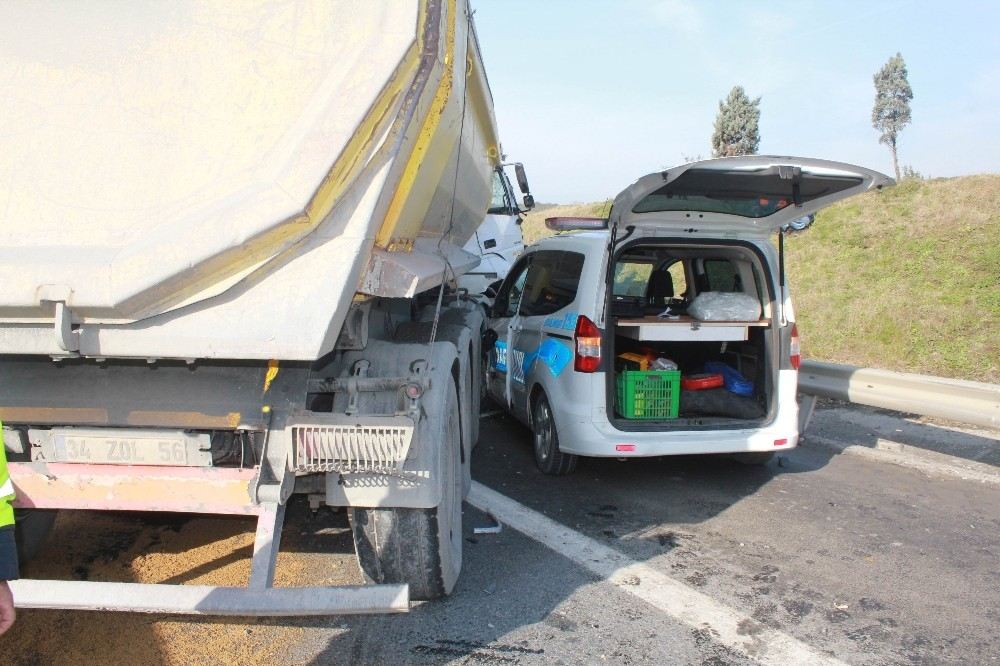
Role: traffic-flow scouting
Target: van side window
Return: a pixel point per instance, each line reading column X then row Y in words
column 552, row 282
column 722, row 275
column 509, row 297
column 631, row 278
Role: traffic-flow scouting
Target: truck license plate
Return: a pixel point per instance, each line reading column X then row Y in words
column 120, row 450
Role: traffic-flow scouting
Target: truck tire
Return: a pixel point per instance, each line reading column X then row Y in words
column 545, row 439
column 31, row 528
column 468, row 395
column 471, row 315
column 422, row 547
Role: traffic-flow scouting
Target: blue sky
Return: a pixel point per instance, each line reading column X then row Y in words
column 592, row 94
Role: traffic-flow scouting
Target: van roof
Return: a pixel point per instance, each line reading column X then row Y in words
column 580, row 234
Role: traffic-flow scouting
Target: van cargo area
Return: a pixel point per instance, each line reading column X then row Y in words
column 659, row 329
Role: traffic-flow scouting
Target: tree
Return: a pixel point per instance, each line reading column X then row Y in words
column 736, row 125
column 891, row 112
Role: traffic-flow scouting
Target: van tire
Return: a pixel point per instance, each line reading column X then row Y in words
column 421, row 547
column 545, row 441
column 754, row 459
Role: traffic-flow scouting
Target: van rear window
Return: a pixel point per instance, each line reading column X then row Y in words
column 738, row 192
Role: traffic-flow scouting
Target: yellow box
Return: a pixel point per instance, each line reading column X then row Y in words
column 640, row 359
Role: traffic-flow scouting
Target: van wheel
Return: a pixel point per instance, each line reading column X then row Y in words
column 484, row 392
column 548, row 457
column 422, row 547
column 756, row 459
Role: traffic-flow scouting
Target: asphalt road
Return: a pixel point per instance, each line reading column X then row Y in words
column 843, row 556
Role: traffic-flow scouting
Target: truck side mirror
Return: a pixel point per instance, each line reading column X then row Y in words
column 522, row 179
column 529, row 202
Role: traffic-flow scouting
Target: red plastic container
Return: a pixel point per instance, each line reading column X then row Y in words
column 701, row 382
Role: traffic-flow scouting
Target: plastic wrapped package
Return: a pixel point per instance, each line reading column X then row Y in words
column 724, row 306
column 662, row 363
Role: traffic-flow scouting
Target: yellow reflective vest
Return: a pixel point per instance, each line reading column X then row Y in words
column 6, row 488
column 8, row 545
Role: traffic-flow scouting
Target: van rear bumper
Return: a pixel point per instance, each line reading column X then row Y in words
column 586, row 438
column 590, row 433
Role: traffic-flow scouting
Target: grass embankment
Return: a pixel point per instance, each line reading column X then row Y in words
column 906, row 279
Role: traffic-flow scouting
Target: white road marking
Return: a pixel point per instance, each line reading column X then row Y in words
column 696, row 609
column 932, row 463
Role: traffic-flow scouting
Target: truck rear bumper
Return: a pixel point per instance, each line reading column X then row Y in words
column 213, row 490
column 133, row 488
column 206, row 600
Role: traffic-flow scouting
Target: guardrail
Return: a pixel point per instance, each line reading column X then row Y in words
column 975, row 403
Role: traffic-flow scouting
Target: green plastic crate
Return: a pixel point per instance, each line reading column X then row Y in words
column 649, row 394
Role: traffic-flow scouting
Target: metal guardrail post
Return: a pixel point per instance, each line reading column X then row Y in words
column 975, row 403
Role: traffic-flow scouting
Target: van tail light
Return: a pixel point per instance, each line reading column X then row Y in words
column 587, row 338
column 794, row 350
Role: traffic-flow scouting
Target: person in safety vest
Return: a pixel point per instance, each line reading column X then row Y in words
column 8, row 547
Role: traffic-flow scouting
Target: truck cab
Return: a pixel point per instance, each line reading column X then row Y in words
column 498, row 240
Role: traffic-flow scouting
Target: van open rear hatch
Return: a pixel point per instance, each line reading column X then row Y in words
column 753, row 195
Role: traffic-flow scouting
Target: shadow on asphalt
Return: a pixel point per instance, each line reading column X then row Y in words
column 870, row 427
column 675, row 489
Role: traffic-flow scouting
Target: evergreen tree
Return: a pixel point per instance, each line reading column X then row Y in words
column 736, row 129
column 891, row 112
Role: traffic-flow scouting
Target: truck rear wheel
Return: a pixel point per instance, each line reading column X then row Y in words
column 422, row 547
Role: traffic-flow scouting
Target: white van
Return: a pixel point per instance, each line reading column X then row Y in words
column 588, row 327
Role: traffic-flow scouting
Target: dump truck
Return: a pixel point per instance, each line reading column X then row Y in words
column 226, row 233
